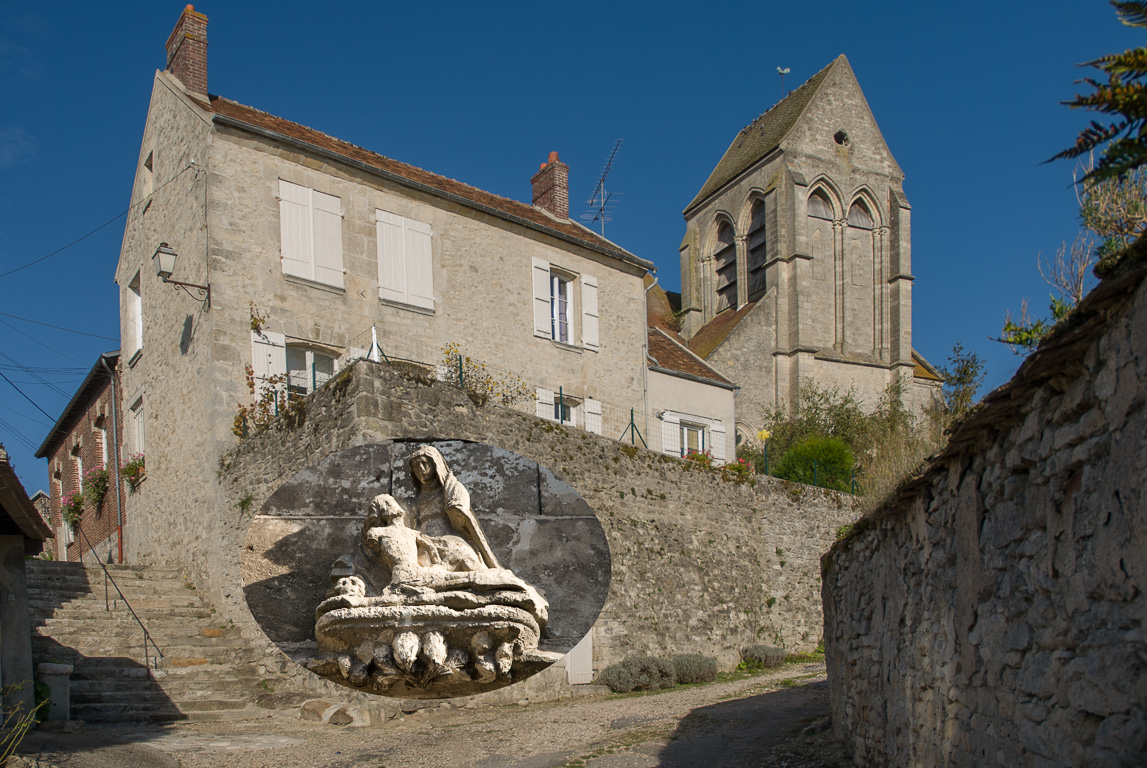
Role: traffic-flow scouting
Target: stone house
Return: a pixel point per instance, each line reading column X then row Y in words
column 796, row 260
column 87, row 440
column 295, row 253
column 22, row 533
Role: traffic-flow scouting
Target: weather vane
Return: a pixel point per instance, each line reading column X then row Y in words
column 782, row 71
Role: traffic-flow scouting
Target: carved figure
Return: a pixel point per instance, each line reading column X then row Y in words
column 428, row 611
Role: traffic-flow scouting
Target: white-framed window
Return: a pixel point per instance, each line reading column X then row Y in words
column 136, row 426
column 693, row 437
column 405, row 264
column 310, row 223
column 584, row 412
column 556, row 305
column 682, row 433
column 133, row 319
column 307, row 369
column 561, row 308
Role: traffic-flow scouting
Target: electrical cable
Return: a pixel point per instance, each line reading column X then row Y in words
column 37, row 377
column 101, row 226
column 57, row 327
column 42, row 344
column 19, row 435
column 30, row 400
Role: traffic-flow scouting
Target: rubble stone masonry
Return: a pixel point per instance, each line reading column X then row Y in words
column 994, row 613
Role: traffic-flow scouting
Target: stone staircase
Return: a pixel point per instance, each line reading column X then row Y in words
column 207, row 672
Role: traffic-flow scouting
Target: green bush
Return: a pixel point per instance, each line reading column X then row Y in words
column 761, row 657
column 694, row 668
column 638, row 673
column 823, row 461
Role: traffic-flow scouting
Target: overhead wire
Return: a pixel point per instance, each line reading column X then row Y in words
column 35, row 376
column 42, row 344
column 30, row 400
column 57, row 327
column 19, row 435
column 101, row 226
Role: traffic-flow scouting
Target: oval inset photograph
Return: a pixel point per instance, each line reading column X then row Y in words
column 425, row 569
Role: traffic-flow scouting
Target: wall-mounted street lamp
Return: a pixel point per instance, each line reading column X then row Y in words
column 164, row 262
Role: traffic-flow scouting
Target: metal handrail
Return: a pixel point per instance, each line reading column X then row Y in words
column 107, row 603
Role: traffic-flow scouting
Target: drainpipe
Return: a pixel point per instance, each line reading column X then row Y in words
column 115, row 453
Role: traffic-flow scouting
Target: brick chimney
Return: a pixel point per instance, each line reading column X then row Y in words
column 187, row 51
column 552, row 187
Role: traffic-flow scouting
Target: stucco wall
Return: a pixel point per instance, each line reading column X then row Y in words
column 699, row 563
column 994, row 614
column 687, row 398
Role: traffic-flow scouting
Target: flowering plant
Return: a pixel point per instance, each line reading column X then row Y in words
column 71, row 507
column 133, row 470
column 95, row 485
column 704, row 458
column 740, row 467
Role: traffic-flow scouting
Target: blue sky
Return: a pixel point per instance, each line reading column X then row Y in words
column 966, row 94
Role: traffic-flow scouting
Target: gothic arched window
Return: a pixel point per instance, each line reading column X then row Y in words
column 725, row 259
column 819, row 207
column 858, row 216
column 757, row 249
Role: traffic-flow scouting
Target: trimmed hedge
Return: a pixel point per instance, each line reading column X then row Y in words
column 762, row 656
column 638, row 673
column 695, row 668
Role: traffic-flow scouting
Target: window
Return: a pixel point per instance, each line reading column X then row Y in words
column 757, row 249
column 819, row 207
column 859, row 217
column 307, row 370
column 571, row 411
column 311, row 226
column 561, row 322
column 133, row 319
column 404, row 260
column 135, row 426
column 556, row 292
column 725, row 260
column 692, row 438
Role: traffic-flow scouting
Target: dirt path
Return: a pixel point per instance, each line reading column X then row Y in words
column 769, row 721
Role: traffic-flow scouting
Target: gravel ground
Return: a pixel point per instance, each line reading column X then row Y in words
column 774, row 720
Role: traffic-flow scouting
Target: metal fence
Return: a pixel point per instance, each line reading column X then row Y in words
column 661, row 431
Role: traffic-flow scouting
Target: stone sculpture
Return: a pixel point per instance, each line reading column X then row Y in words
column 425, row 609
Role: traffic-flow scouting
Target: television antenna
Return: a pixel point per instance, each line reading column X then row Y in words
column 782, row 71
column 599, row 201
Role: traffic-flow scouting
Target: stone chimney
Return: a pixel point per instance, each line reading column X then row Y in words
column 187, row 51
column 552, row 187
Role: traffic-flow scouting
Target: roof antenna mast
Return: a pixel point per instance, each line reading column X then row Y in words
column 782, row 71
column 599, row 200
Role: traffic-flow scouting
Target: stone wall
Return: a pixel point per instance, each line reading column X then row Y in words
column 994, row 612
column 699, row 563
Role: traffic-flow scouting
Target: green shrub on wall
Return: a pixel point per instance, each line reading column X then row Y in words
column 761, row 657
column 823, row 461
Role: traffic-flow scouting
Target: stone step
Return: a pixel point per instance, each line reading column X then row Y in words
column 134, row 636
column 171, row 626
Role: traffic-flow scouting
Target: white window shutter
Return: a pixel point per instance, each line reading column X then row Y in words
column 545, row 404
column 419, row 265
column 296, row 230
column 717, row 445
column 671, row 433
column 593, row 416
column 268, row 354
column 589, row 313
column 579, row 661
column 391, row 257
column 541, row 282
column 328, row 230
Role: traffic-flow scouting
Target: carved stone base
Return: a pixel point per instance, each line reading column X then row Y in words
column 395, row 646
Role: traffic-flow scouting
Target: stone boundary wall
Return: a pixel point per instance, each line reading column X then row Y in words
column 993, row 614
column 699, row 563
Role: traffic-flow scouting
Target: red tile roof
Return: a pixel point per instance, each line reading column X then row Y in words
column 430, row 182
column 712, row 333
column 667, row 353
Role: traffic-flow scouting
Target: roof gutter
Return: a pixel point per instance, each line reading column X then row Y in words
column 622, row 256
column 59, row 427
column 694, row 377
